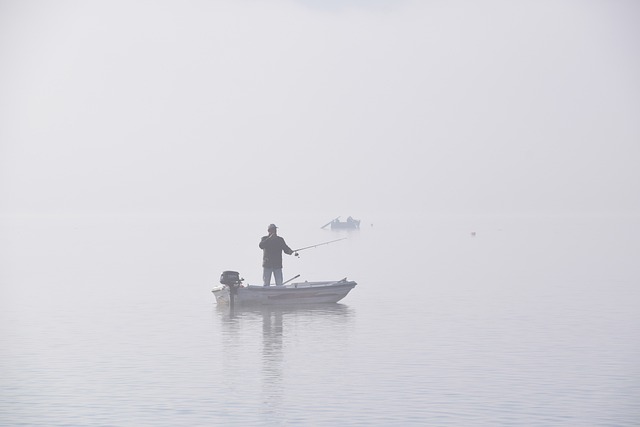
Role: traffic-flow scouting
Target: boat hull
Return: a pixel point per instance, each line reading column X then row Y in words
column 353, row 225
column 292, row 294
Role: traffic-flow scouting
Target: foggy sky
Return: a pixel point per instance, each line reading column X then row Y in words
column 345, row 107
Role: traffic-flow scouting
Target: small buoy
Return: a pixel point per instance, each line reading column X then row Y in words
column 473, row 234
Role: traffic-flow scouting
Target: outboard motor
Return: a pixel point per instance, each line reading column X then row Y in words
column 233, row 281
column 230, row 278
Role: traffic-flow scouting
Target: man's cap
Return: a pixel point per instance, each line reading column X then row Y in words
column 272, row 227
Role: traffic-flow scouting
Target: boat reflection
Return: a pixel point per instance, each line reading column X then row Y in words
column 289, row 334
column 294, row 309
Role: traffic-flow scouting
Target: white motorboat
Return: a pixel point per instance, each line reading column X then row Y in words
column 290, row 293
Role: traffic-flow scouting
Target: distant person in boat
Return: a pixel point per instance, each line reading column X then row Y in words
column 272, row 247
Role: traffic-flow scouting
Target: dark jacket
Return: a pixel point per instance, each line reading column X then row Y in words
column 272, row 251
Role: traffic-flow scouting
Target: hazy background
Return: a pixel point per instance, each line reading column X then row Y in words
column 351, row 107
column 146, row 145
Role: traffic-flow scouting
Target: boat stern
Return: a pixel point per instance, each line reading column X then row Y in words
column 221, row 293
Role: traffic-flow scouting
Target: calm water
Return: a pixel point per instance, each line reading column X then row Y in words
column 109, row 321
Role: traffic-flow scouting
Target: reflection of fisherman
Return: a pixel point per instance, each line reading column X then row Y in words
column 272, row 247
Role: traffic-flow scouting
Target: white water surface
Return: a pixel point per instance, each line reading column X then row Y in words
column 110, row 321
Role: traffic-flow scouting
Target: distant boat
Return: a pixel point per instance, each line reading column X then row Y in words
column 288, row 294
column 349, row 224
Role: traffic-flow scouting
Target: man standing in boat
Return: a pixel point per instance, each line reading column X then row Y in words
column 272, row 247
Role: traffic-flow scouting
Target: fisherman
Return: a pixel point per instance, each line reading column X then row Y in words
column 272, row 247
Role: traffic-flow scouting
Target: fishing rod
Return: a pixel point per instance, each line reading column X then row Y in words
column 314, row 246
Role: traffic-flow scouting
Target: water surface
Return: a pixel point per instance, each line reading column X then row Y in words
column 531, row 321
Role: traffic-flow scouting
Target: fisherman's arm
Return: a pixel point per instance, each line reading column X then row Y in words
column 286, row 249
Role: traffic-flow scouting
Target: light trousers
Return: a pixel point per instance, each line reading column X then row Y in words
column 266, row 276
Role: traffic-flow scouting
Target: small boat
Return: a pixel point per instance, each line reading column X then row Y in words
column 287, row 294
column 349, row 224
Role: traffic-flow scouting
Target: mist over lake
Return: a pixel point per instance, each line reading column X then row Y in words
column 490, row 151
column 529, row 322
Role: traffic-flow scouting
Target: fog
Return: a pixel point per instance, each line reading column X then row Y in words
column 146, row 145
column 355, row 107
